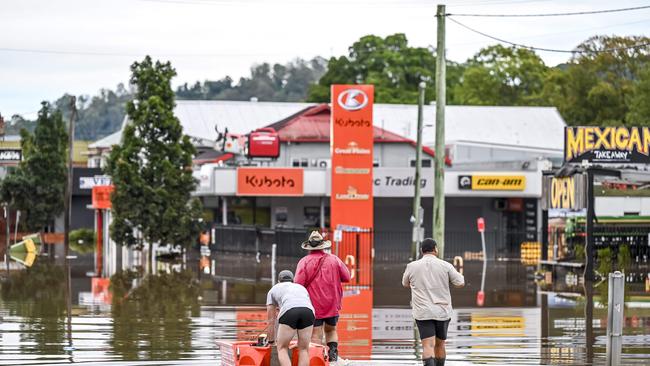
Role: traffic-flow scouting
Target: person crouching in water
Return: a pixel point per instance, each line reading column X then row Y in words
column 296, row 314
column 322, row 274
column 429, row 278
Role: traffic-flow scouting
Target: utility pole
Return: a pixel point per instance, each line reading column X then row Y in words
column 67, row 216
column 439, row 170
column 418, row 213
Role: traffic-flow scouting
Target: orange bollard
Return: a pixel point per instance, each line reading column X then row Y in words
column 317, row 354
column 243, row 353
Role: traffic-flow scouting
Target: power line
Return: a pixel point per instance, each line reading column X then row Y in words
column 545, row 49
column 550, row 14
column 92, row 53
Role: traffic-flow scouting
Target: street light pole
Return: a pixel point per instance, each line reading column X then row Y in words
column 439, row 158
column 418, row 213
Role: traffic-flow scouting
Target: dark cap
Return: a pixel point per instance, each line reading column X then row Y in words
column 285, row 276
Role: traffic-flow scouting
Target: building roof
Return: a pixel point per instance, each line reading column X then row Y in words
column 540, row 128
column 312, row 124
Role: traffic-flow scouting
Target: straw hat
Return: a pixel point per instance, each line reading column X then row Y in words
column 316, row 242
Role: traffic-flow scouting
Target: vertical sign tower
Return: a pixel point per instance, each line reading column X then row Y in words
column 351, row 203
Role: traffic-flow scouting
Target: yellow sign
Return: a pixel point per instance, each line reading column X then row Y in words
column 607, row 144
column 563, row 192
column 497, row 326
column 498, row 182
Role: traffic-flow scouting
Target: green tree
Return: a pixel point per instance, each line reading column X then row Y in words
column 37, row 186
column 391, row 65
column 597, row 85
column 499, row 75
column 151, row 169
column 639, row 101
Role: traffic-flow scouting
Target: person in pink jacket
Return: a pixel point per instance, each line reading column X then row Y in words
column 322, row 275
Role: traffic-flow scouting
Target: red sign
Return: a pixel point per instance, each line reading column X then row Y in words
column 352, row 156
column 101, row 197
column 480, row 298
column 352, row 138
column 480, row 222
column 270, row 182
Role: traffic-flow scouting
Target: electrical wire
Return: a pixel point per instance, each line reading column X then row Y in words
column 551, row 14
column 532, row 48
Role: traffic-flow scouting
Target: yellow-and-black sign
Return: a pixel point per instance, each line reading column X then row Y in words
column 564, row 192
column 607, row 144
column 492, row 182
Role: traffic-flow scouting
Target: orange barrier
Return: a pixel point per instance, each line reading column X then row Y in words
column 243, row 353
column 317, row 355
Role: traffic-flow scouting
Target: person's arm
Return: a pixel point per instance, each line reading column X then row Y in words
column 456, row 278
column 344, row 272
column 406, row 278
column 300, row 277
column 271, row 311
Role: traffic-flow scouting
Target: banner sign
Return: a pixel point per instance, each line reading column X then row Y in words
column 10, row 155
column 352, row 152
column 564, row 192
column 270, row 182
column 97, row 180
column 607, row 144
column 101, row 198
column 492, row 182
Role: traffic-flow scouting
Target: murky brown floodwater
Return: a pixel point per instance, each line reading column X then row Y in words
column 176, row 318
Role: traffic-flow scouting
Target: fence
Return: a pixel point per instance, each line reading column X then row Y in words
column 389, row 246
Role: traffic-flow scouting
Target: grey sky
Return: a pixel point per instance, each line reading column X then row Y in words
column 89, row 44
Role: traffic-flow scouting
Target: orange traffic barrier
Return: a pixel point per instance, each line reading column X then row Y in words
column 317, row 354
column 243, row 353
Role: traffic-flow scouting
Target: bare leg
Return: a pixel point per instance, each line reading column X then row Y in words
column 285, row 334
column 317, row 335
column 304, row 336
column 330, row 333
column 440, row 348
column 428, row 347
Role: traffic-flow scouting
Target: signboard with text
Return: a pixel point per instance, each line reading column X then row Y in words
column 607, row 144
column 270, row 182
column 564, row 192
column 10, row 156
column 352, row 138
column 492, row 182
column 101, row 197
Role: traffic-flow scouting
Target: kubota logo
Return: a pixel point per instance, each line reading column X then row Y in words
column 353, row 99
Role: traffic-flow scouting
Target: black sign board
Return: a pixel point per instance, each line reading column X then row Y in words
column 607, row 144
column 10, row 155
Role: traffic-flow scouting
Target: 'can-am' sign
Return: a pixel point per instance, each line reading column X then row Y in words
column 607, row 144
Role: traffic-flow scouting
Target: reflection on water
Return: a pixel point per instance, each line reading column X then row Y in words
column 177, row 318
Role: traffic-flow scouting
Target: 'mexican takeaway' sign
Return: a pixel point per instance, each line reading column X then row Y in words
column 607, row 144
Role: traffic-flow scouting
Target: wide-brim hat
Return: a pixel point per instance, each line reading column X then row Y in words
column 316, row 242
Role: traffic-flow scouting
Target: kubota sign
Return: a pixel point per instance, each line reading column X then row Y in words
column 270, row 182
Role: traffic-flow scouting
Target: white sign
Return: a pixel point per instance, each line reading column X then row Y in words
column 400, row 182
column 90, row 182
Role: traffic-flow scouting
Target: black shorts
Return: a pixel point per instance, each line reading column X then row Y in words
column 433, row 328
column 298, row 318
column 332, row 321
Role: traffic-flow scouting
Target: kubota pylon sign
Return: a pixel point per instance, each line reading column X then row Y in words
column 352, row 155
column 352, row 208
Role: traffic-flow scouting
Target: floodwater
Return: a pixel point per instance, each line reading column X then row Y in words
column 176, row 318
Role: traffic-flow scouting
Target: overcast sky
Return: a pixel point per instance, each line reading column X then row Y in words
column 50, row 47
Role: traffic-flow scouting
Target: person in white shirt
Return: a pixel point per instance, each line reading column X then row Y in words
column 296, row 314
column 429, row 278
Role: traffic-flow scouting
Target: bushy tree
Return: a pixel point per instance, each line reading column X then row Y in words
column 499, row 75
column 37, row 186
column 639, row 101
column 594, row 87
column 151, row 169
column 390, row 64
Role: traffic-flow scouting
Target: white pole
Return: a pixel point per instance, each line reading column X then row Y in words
column 615, row 307
column 484, row 261
column 273, row 261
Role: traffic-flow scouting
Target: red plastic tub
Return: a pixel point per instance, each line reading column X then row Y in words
column 243, row 353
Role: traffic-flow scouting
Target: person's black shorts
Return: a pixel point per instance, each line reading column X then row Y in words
column 332, row 321
column 433, row 328
column 298, row 318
